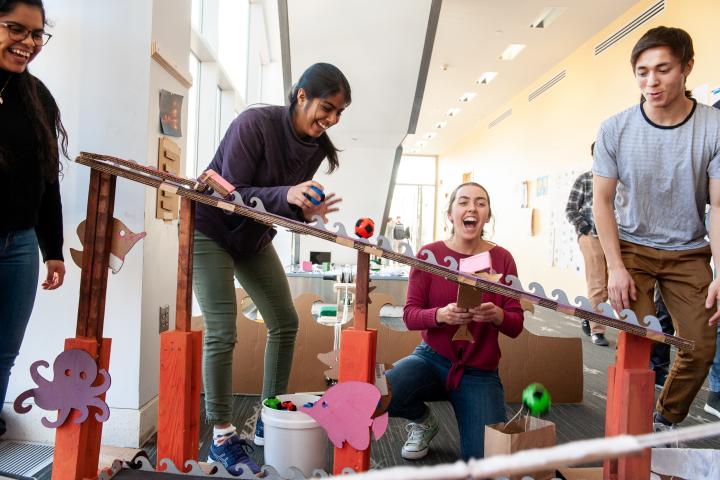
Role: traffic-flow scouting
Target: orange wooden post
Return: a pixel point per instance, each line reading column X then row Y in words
column 77, row 447
column 180, row 361
column 630, row 405
column 357, row 361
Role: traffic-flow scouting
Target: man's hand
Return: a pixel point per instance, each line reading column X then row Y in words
column 712, row 300
column 621, row 289
column 55, row 274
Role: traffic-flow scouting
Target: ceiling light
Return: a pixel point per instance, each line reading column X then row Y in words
column 440, row 125
column 420, row 144
column 512, row 51
column 547, row 16
column 466, row 97
column 452, row 112
column 486, row 78
column 429, row 135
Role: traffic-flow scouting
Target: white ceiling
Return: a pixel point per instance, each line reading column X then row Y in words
column 378, row 44
column 470, row 36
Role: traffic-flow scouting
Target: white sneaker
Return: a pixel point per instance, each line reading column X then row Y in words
column 419, row 437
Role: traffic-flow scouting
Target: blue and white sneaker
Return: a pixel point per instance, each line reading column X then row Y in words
column 259, row 439
column 232, row 454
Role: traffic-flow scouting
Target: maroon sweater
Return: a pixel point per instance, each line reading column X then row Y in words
column 427, row 293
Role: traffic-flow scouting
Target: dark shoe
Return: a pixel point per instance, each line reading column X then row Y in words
column 712, row 404
column 586, row 327
column 259, row 439
column 2, row 427
column 599, row 339
column 232, row 454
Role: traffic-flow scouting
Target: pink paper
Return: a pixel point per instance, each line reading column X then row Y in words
column 345, row 413
column 306, row 266
column 477, row 263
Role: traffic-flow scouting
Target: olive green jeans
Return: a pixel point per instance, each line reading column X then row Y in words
column 262, row 276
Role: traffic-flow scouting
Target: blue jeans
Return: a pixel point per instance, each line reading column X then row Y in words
column 479, row 400
column 714, row 377
column 19, row 269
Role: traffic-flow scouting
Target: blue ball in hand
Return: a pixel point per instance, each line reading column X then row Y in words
column 312, row 199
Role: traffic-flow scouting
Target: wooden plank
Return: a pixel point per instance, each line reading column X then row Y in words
column 183, row 309
column 362, row 283
column 177, row 437
column 357, row 363
column 101, row 257
column 71, row 439
column 94, row 427
column 630, row 404
column 88, row 253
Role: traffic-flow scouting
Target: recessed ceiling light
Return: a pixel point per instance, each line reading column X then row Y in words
column 512, row 51
column 486, row 78
column 440, row 125
column 547, row 16
column 452, row 112
column 466, row 97
column 429, row 135
column 420, row 144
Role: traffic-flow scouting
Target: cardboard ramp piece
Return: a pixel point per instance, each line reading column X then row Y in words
column 555, row 362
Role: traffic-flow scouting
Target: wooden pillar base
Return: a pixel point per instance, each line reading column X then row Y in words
column 77, row 446
column 357, row 363
column 179, row 397
column 630, row 406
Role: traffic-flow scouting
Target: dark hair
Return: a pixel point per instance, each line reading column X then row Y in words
column 453, row 197
column 322, row 80
column 676, row 39
column 592, row 149
column 43, row 112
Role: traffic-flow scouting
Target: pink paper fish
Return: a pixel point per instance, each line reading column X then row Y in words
column 345, row 412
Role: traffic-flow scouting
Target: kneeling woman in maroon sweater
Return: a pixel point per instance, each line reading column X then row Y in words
column 463, row 372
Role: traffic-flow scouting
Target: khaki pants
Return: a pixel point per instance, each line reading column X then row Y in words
column 596, row 275
column 683, row 277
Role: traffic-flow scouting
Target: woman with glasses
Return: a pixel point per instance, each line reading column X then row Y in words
column 30, row 209
column 272, row 153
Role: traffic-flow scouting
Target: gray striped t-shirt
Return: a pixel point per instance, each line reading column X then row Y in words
column 662, row 174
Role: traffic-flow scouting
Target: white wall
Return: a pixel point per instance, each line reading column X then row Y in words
column 99, row 69
column 362, row 182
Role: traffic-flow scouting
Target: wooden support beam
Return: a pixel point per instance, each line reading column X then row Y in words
column 96, row 255
column 629, row 407
column 357, row 361
column 77, row 446
column 180, row 362
column 183, row 308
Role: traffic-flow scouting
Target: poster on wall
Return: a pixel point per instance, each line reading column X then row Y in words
column 171, row 113
column 563, row 249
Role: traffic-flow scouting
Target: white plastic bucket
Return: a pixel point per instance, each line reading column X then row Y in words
column 293, row 439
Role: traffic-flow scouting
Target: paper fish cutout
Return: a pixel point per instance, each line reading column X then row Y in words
column 345, row 412
column 123, row 240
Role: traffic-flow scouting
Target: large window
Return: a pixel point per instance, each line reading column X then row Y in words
column 414, row 200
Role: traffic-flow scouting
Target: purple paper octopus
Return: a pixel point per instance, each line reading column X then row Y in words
column 74, row 372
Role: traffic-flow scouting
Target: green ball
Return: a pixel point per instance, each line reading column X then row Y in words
column 536, row 398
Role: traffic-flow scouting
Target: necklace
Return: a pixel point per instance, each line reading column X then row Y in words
column 3, row 89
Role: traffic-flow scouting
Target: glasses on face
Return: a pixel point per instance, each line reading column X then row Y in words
column 18, row 33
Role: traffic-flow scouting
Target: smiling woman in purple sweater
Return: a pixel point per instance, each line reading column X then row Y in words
column 271, row 153
column 463, row 372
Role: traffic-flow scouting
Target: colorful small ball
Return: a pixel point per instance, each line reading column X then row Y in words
column 364, row 227
column 536, row 398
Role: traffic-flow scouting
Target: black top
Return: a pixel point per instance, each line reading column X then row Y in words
column 27, row 199
column 262, row 156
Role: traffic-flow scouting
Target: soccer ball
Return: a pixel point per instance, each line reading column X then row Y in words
column 364, row 227
column 536, row 398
